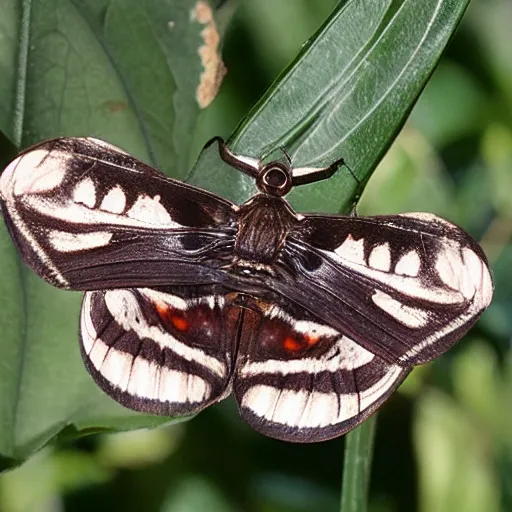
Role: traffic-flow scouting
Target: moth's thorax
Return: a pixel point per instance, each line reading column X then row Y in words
column 263, row 223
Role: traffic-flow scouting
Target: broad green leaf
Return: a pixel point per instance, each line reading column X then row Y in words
column 125, row 71
column 347, row 94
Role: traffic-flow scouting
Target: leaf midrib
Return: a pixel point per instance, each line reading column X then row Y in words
column 22, row 66
column 129, row 94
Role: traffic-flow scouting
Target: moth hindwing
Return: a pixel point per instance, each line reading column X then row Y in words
column 310, row 320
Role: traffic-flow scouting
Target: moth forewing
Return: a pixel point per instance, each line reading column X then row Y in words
column 86, row 215
column 405, row 287
column 312, row 320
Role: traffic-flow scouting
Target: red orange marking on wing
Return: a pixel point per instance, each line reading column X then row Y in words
column 167, row 314
column 179, row 322
column 292, row 344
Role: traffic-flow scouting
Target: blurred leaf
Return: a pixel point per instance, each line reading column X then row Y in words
column 378, row 55
column 497, row 153
column 484, row 387
column 266, row 17
column 409, row 178
column 478, row 386
column 37, row 485
column 128, row 72
column 284, row 493
column 497, row 319
column 455, row 467
column 195, row 494
column 452, row 107
column 137, row 448
column 491, row 21
column 29, row 488
column 471, row 203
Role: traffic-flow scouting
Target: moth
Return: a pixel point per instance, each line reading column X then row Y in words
column 312, row 321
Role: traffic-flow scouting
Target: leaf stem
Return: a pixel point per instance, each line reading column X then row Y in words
column 357, row 467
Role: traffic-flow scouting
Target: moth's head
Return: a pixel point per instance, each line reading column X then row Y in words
column 275, row 179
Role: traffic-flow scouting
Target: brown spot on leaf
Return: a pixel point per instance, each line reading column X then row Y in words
column 115, row 106
column 213, row 67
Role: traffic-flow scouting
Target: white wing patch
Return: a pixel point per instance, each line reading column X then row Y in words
column 114, row 201
column 34, row 172
column 409, row 316
column 300, row 408
column 116, row 368
column 345, row 354
column 87, row 330
column 164, row 298
column 85, row 193
column 478, row 289
column 150, row 211
column 302, row 326
column 410, row 286
column 409, row 264
column 449, row 266
column 175, row 385
column 478, row 278
column 464, row 271
column 352, row 250
column 380, row 257
column 72, row 242
column 98, row 352
column 315, row 409
column 76, row 213
column 138, row 376
column 370, row 395
column 144, row 379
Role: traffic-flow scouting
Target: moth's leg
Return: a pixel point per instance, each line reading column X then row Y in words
column 305, row 175
column 245, row 164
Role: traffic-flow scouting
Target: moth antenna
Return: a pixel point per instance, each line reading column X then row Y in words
column 353, row 209
column 286, row 154
column 341, row 162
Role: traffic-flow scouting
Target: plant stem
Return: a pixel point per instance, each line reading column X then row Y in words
column 357, row 467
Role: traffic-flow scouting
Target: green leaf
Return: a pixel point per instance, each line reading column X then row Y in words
column 127, row 72
column 195, row 493
column 77, row 71
column 455, row 466
column 357, row 467
column 347, row 94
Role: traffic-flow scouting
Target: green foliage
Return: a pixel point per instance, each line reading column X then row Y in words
column 128, row 72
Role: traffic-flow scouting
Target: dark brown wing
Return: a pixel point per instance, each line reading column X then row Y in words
column 85, row 215
column 404, row 287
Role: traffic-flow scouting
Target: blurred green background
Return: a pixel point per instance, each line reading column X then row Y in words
column 444, row 440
